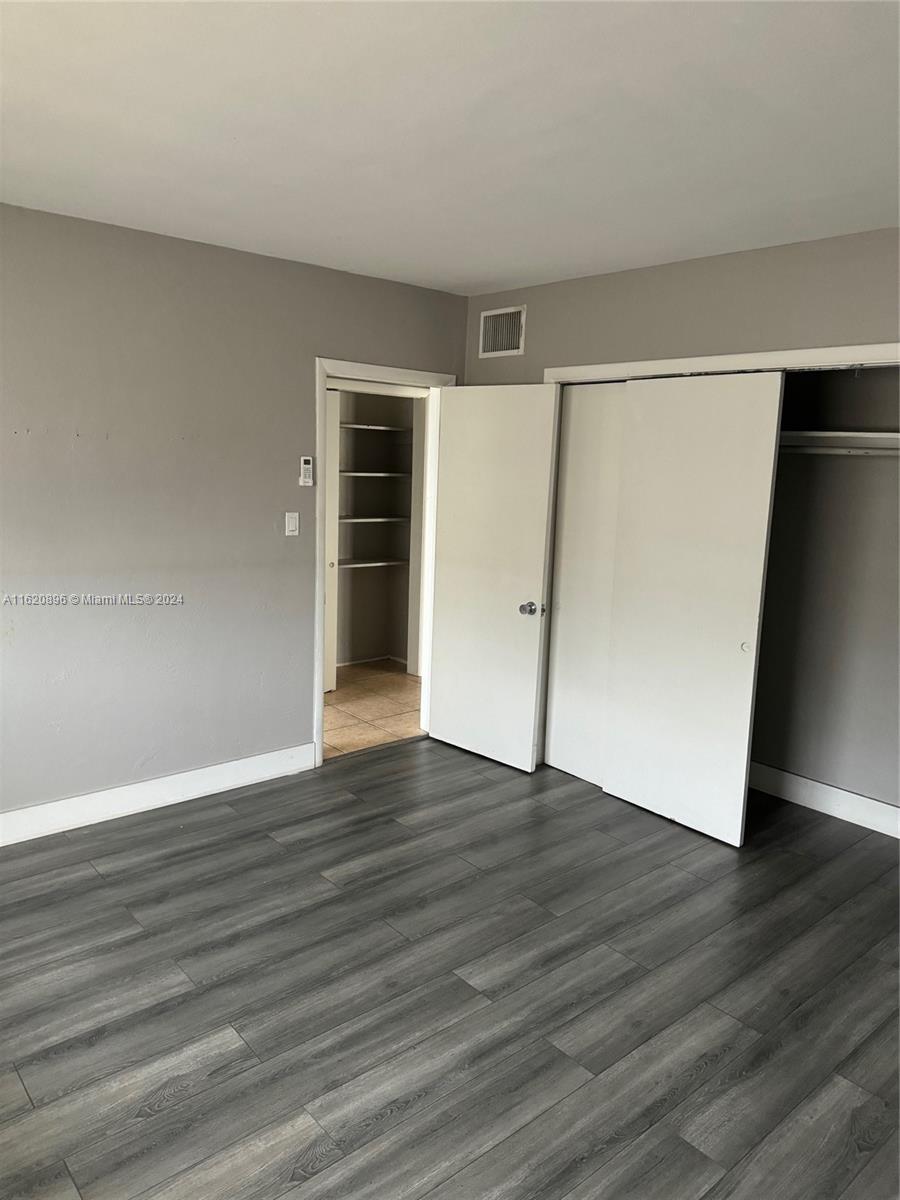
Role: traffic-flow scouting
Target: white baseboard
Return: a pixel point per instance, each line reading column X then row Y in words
column 849, row 806
column 25, row 823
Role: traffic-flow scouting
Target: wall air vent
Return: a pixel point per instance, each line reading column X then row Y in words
column 502, row 332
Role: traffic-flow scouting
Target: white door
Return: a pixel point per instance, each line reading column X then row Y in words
column 675, row 630
column 495, row 499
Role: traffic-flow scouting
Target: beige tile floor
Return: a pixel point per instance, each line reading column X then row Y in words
column 374, row 703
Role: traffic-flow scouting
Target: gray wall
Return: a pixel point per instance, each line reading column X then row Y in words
column 840, row 291
column 157, row 394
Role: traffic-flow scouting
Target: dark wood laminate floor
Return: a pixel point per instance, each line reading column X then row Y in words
column 415, row 973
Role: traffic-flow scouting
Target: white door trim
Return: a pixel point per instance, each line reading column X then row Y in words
column 330, row 371
column 883, row 354
column 345, row 371
column 377, row 389
column 429, row 532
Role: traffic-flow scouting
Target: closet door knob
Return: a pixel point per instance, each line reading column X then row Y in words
column 528, row 609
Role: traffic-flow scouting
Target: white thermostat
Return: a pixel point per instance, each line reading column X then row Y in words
column 306, row 471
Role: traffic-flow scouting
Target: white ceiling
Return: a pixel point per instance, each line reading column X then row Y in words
column 464, row 146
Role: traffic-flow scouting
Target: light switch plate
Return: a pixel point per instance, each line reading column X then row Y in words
column 291, row 524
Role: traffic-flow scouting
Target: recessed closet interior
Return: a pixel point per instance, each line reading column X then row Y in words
column 827, row 687
column 373, row 527
column 374, row 477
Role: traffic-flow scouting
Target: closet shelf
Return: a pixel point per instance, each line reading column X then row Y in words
column 378, row 474
column 356, row 563
column 828, row 441
column 373, row 520
column 382, row 428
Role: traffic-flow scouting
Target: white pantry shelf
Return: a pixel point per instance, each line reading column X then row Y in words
column 355, row 564
column 373, row 520
column 380, row 428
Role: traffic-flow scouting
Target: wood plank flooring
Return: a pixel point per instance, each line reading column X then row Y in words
column 416, row 973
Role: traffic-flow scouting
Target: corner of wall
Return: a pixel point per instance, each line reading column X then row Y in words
column 470, row 344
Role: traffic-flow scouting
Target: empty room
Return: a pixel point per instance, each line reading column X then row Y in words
column 449, row 614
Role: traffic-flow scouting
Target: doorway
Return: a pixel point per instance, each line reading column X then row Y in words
column 376, row 446
column 373, row 523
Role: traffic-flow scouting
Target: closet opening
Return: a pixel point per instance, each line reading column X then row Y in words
column 725, row 591
column 373, row 572
column 826, row 721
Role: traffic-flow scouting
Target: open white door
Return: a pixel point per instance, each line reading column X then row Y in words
column 495, row 496
column 660, row 574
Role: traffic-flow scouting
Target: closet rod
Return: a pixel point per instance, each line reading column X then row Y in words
column 846, row 451
column 828, row 441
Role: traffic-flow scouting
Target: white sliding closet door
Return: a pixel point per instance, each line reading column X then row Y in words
column 587, row 502
column 495, row 500
column 676, row 662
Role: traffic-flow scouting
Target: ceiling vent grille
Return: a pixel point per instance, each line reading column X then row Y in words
column 502, row 332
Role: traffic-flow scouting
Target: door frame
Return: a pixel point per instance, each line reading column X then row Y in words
column 338, row 373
